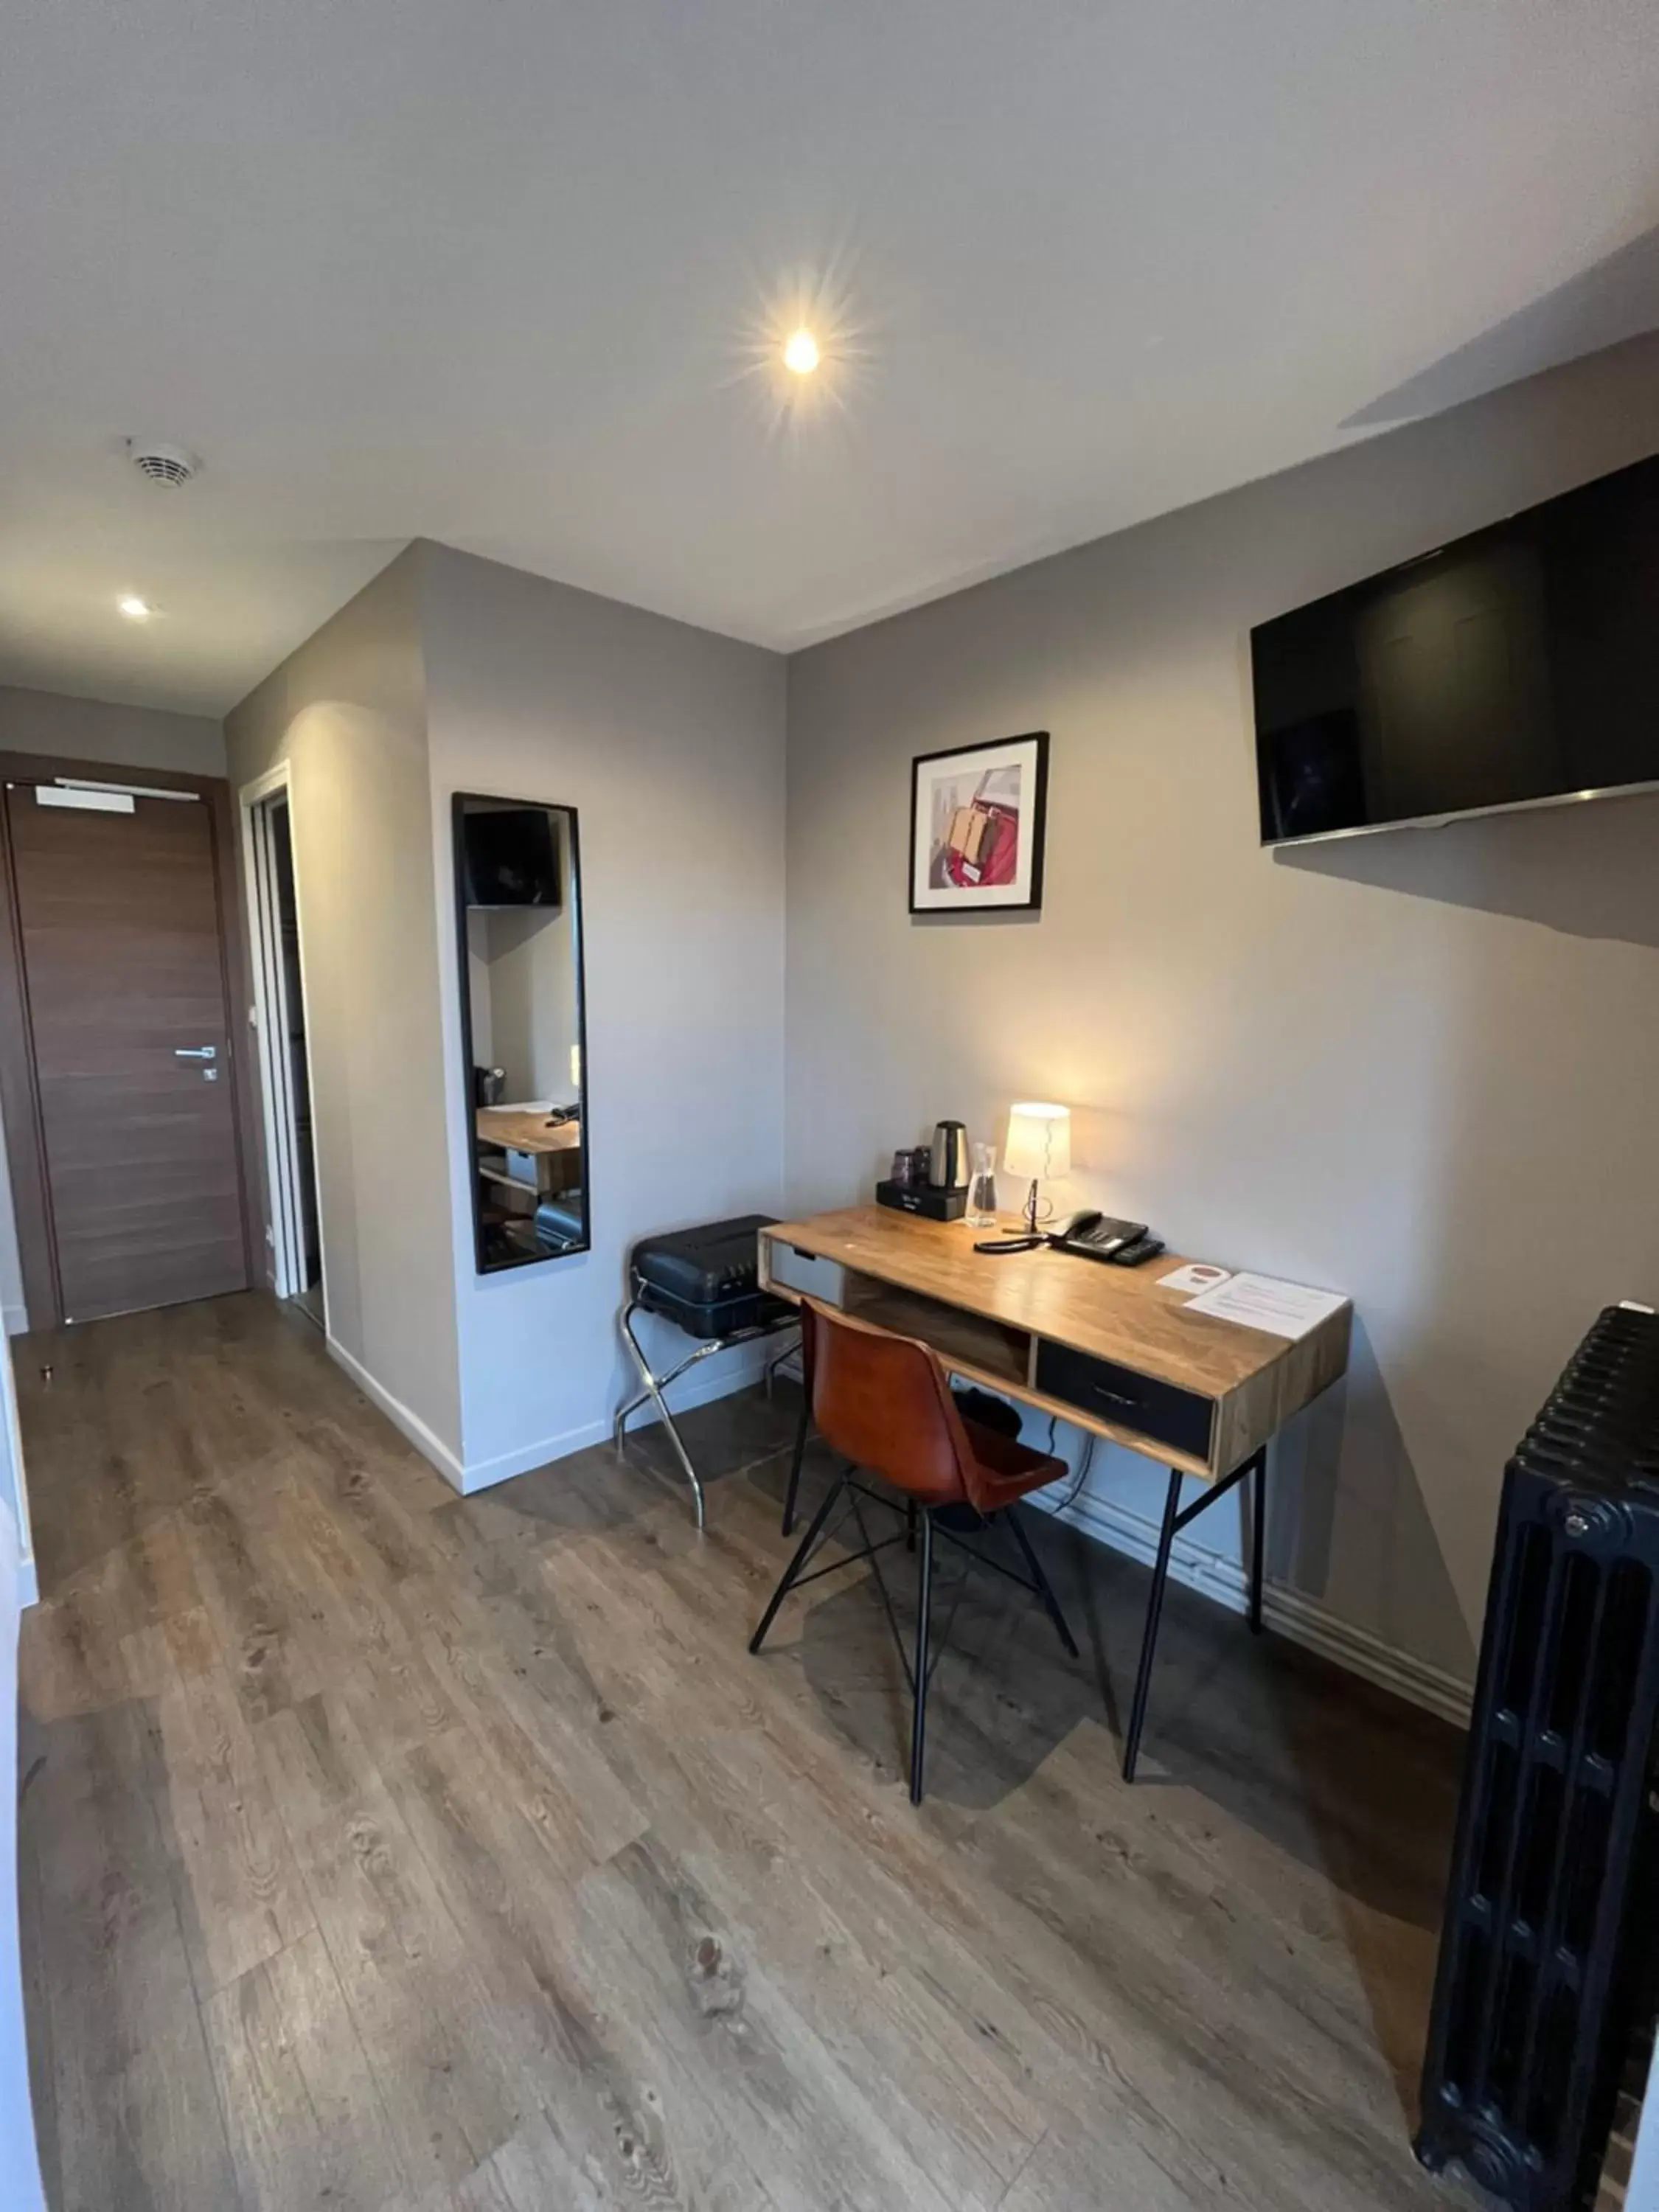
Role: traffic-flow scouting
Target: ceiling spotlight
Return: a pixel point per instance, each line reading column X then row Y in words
column 134, row 608
column 801, row 353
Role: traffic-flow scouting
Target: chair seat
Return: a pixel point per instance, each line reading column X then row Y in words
column 1009, row 1469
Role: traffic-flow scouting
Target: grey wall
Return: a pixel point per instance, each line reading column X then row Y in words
column 1420, row 1067
column 124, row 736
column 347, row 712
column 94, row 730
column 669, row 742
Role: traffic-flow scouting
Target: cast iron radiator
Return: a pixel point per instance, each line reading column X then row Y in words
column 1547, row 1956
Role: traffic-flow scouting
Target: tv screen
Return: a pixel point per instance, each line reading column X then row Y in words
column 1511, row 668
column 512, row 857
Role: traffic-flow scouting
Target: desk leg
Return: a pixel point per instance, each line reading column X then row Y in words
column 1149, row 1634
column 1258, row 1541
column 794, row 1491
column 1174, row 1520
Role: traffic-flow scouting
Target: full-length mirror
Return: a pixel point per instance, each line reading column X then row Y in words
column 517, row 876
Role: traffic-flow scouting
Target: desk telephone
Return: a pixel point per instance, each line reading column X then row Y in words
column 1098, row 1236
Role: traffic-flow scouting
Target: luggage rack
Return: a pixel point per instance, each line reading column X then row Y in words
column 705, row 1282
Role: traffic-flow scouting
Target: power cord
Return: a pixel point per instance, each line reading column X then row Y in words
column 1082, row 1474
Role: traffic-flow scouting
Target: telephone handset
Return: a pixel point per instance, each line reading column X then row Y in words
column 1098, row 1236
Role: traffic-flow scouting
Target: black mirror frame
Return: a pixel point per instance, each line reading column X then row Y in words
column 459, row 801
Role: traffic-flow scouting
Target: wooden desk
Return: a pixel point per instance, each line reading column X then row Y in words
column 526, row 1129
column 1104, row 1347
column 551, row 1154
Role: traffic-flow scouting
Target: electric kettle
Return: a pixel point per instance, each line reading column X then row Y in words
column 947, row 1163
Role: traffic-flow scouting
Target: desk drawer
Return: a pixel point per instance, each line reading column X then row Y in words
column 1157, row 1410
column 824, row 1280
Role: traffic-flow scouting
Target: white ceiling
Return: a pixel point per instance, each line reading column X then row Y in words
column 492, row 271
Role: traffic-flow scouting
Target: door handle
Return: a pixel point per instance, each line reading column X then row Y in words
column 196, row 1052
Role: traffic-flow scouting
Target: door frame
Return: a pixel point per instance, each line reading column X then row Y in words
column 19, row 1098
column 283, row 1230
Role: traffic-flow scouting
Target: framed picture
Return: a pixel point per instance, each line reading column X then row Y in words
column 977, row 826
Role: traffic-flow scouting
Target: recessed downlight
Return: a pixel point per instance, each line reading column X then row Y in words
column 800, row 353
column 134, row 608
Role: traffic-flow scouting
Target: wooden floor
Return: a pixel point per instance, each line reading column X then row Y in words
column 384, row 1848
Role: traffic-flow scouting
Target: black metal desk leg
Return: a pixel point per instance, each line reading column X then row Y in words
column 1258, row 1538
column 924, row 1601
column 794, row 1491
column 1149, row 1634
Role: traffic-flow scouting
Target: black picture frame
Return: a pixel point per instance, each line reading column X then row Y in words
column 459, row 801
column 974, row 898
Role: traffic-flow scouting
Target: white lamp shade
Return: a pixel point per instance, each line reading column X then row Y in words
column 1039, row 1147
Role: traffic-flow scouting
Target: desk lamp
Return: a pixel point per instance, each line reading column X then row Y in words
column 1039, row 1150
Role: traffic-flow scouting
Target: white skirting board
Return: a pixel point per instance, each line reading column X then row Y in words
column 1301, row 1619
column 428, row 1445
column 700, row 1389
column 483, row 1475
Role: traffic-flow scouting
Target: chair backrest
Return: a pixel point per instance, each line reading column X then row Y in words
column 881, row 1400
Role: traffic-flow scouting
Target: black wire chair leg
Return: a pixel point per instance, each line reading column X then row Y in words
column 1149, row 1635
column 1044, row 1590
column 804, row 1552
column 1258, row 1541
column 919, row 1672
column 794, row 1491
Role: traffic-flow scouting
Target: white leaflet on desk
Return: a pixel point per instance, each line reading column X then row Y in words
column 1196, row 1275
column 1262, row 1302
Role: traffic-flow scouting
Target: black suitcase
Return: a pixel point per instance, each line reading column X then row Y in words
column 707, row 1280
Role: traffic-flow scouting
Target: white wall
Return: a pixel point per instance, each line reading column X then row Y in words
column 19, row 2173
column 1419, row 1067
column 124, row 736
column 347, row 713
column 669, row 742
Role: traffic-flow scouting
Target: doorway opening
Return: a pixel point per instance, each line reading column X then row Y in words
column 294, row 1233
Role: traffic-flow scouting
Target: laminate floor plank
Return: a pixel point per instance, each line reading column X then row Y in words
column 303, row 2112
column 628, row 2112
column 134, row 2108
column 452, row 2092
column 239, row 1895
column 385, row 1851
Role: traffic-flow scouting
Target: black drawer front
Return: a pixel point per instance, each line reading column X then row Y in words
column 1118, row 1394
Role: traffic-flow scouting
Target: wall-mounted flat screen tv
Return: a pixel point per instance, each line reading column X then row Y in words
column 510, row 856
column 1517, row 667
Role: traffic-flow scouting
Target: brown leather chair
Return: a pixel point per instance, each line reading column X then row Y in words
column 882, row 1403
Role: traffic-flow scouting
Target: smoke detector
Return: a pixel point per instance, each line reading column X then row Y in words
column 162, row 463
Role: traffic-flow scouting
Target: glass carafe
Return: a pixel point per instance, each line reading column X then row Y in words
column 982, row 1187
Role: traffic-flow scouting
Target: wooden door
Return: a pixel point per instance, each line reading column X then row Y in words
column 126, row 1010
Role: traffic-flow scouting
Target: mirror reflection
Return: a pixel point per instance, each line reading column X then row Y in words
column 518, row 878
